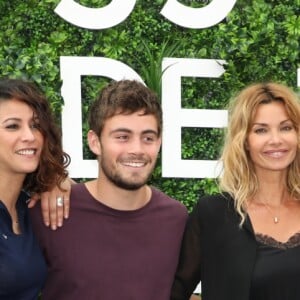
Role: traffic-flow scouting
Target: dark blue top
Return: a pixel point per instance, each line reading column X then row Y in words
column 22, row 266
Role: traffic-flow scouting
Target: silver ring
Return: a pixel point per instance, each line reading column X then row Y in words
column 60, row 201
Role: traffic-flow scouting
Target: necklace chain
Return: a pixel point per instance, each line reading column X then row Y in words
column 275, row 217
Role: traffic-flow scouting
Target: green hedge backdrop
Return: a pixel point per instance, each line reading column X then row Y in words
column 259, row 39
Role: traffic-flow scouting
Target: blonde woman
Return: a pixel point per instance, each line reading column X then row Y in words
column 244, row 243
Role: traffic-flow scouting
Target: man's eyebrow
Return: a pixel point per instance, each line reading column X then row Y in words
column 121, row 129
column 150, row 131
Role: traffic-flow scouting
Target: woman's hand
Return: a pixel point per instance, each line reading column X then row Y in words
column 55, row 204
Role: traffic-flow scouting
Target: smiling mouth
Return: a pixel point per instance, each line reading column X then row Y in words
column 276, row 154
column 134, row 164
column 26, row 151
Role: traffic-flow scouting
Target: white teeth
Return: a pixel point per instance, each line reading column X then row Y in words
column 134, row 164
column 26, row 152
column 276, row 154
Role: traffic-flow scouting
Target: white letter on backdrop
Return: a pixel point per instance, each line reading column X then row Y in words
column 71, row 70
column 95, row 18
column 202, row 17
column 176, row 117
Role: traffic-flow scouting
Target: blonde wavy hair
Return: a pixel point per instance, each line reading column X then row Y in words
column 239, row 178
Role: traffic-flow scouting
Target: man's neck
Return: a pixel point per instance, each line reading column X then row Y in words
column 118, row 198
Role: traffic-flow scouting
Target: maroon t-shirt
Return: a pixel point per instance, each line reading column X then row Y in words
column 103, row 253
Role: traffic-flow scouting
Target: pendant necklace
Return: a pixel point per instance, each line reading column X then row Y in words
column 276, row 218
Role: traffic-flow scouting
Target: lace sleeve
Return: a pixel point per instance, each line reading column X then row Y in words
column 188, row 271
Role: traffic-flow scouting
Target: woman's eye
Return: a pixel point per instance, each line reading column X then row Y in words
column 12, row 126
column 35, row 126
column 260, row 130
column 287, row 128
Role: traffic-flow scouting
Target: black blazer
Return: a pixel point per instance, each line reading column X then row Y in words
column 216, row 251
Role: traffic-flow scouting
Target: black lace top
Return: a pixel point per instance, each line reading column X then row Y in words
column 276, row 274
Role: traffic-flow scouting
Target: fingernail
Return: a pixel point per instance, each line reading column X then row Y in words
column 53, row 227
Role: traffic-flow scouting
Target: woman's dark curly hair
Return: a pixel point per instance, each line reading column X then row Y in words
column 53, row 161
